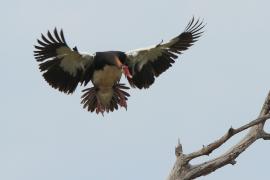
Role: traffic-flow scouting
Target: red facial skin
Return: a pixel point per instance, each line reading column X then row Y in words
column 126, row 72
column 124, row 68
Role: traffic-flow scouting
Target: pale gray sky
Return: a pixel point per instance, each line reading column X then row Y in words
column 219, row 82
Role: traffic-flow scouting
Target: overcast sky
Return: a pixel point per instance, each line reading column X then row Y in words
column 220, row 82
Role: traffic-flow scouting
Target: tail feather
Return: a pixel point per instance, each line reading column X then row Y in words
column 92, row 102
column 89, row 99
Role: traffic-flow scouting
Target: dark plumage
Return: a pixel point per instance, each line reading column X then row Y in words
column 64, row 68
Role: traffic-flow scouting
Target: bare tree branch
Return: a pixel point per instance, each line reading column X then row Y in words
column 183, row 170
column 206, row 150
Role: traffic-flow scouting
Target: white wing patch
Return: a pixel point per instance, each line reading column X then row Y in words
column 142, row 56
column 72, row 61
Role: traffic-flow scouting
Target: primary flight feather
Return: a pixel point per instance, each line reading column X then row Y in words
column 64, row 67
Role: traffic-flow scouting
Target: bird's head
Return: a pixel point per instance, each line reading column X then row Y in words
column 124, row 68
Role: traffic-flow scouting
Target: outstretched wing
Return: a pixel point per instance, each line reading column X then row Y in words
column 147, row 63
column 63, row 68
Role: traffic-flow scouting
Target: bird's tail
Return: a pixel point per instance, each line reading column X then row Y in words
column 93, row 99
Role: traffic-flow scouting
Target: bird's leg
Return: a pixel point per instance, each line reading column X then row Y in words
column 121, row 98
column 122, row 101
column 100, row 108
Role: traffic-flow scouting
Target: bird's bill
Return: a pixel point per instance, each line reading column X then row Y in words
column 126, row 72
column 124, row 68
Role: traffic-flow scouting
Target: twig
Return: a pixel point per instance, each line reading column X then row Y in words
column 206, row 150
column 265, row 136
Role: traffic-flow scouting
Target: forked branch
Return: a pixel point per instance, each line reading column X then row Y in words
column 183, row 170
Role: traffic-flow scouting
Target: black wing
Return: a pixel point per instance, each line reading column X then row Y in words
column 147, row 63
column 63, row 68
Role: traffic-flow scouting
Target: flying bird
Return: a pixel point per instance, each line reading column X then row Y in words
column 64, row 67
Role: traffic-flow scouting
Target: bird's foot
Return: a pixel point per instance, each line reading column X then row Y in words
column 123, row 103
column 121, row 95
column 100, row 108
column 91, row 101
column 122, row 100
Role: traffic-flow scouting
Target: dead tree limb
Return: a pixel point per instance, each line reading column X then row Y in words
column 184, row 170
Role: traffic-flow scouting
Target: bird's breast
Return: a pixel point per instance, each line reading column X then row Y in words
column 106, row 77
